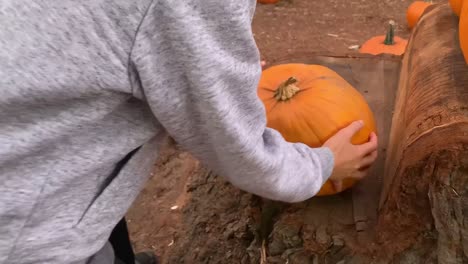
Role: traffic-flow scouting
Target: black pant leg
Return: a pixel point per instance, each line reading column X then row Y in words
column 120, row 241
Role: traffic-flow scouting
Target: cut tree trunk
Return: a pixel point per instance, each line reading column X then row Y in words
column 424, row 202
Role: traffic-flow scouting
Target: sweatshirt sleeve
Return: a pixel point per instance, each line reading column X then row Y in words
column 197, row 66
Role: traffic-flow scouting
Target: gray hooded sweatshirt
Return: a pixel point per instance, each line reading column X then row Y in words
column 84, row 83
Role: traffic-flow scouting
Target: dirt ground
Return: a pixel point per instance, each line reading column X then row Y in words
column 186, row 214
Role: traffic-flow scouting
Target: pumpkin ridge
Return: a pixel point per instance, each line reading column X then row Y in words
column 314, row 131
column 277, row 103
column 320, row 113
column 267, row 89
column 314, row 109
column 274, row 105
column 273, row 99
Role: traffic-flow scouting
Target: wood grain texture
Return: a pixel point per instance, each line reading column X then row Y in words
column 428, row 145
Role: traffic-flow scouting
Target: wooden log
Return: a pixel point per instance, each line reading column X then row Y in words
column 424, row 202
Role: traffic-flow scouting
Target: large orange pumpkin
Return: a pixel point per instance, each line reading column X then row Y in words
column 463, row 30
column 415, row 11
column 456, row 6
column 388, row 43
column 310, row 103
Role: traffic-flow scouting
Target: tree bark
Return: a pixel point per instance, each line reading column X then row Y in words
column 424, row 202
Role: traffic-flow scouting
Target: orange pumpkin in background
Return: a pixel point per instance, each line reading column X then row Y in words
column 463, row 30
column 388, row 43
column 456, row 6
column 415, row 11
column 310, row 103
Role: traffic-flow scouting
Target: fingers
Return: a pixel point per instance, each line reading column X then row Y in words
column 262, row 63
column 370, row 146
column 352, row 129
column 368, row 160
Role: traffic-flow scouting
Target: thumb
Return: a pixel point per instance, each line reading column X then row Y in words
column 353, row 128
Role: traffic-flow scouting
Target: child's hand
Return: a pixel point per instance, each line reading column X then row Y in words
column 351, row 161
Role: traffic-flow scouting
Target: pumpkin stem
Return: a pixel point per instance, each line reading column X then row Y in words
column 286, row 90
column 390, row 37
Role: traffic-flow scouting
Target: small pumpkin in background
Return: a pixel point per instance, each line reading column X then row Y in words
column 463, row 30
column 267, row 1
column 456, row 6
column 460, row 8
column 415, row 11
column 389, row 43
column 309, row 104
